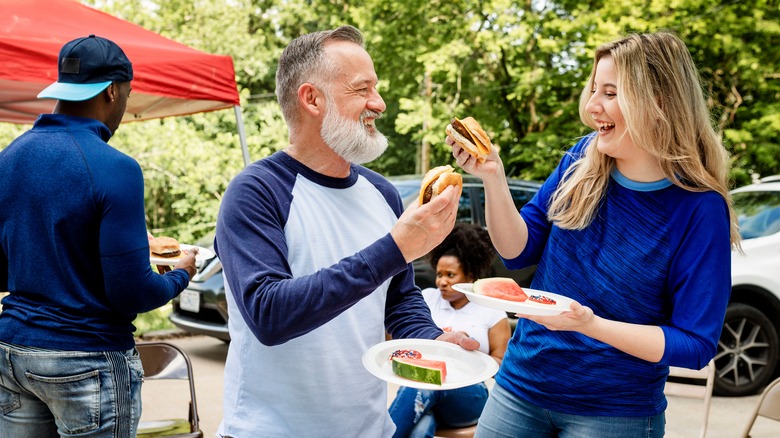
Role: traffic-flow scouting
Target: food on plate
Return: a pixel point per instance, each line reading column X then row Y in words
column 436, row 180
column 469, row 135
column 420, row 370
column 500, row 287
column 411, row 354
column 165, row 247
column 541, row 299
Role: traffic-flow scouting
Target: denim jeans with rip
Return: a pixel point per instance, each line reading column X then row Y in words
column 418, row 412
column 51, row 393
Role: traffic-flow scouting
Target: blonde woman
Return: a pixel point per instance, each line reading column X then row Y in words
column 635, row 225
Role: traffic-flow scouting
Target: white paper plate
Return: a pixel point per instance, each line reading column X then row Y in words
column 203, row 255
column 527, row 307
column 464, row 367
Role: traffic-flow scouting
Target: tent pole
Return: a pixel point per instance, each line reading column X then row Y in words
column 241, row 134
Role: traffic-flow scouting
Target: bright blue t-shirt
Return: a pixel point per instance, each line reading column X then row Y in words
column 655, row 254
column 73, row 247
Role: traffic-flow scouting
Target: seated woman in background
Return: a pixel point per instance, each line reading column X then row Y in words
column 463, row 257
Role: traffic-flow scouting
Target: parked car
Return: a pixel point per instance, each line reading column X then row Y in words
column 470, row 210
column 202, row 309
column 750, row 342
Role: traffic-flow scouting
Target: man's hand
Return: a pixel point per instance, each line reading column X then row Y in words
column 187, row 262
column 459, row 338
column 421, row 227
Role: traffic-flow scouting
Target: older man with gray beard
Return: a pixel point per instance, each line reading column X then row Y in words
column 317, row 254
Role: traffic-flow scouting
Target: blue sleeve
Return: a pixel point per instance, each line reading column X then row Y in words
column 3, row 271
column 699, row 284
column 130, row 284
column 534, row 213
column 406, row 313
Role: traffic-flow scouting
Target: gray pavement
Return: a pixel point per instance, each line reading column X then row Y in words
column 727, row 419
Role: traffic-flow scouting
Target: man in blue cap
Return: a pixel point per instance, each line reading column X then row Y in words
column 74, row 256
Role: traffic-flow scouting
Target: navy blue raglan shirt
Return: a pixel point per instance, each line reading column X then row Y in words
column 313, row 280
column 74, row 252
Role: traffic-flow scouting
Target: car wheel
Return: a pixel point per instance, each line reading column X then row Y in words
column 747, row 352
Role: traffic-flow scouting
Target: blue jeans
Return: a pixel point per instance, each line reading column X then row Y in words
column 417, row 412
column 50, row 393
column 508, row 416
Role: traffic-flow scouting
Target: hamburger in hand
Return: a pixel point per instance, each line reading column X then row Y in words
column 470, row 136
column 436, row 180
column 165, row 247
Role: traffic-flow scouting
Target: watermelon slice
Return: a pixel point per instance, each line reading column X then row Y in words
column 500, row 287
column 420, row 370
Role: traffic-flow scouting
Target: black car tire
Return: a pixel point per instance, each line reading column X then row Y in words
column 747, row 352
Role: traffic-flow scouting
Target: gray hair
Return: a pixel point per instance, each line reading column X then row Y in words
column 304, row 60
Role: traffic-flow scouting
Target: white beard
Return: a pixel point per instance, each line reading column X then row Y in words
column 350, row 140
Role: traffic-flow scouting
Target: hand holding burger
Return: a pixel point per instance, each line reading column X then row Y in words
column 168, row 247
column 436, row 180
column 470, row 136
column 425, row 223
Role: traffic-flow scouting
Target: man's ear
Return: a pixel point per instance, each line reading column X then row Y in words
column 312, row 100
column 112, row 92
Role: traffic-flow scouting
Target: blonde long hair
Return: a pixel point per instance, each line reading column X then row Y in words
column 661, row 98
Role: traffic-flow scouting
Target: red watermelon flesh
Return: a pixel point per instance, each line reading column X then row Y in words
column 501, row 288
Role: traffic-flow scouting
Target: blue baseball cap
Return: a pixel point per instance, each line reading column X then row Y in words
column 86, row 67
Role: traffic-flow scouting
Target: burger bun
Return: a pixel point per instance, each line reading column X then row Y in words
column 165, row 247
column 469, row 135
column 436, row 180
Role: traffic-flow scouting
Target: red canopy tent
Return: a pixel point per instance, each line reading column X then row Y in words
column 170, row 79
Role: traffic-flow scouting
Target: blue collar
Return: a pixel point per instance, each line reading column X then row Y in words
column 59, row 121
column 639, row 186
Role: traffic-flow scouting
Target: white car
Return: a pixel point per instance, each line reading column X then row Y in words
column 749, row 344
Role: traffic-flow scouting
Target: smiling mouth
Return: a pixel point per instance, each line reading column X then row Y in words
column 606, row 127
column 369, row 117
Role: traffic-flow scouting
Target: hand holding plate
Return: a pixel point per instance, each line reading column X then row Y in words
column 459, row 338
column 574, row 319
column 187, row 262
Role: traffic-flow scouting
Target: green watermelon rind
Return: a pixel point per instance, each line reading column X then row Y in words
column 416, row 373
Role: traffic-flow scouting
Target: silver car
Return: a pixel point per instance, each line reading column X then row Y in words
column 749, row 344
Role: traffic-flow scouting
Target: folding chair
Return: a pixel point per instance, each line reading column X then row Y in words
column 687, row 383
column 768, row 406
column 162, row 360
column 460, row 432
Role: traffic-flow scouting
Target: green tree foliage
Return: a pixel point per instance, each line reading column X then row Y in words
column 516, row 66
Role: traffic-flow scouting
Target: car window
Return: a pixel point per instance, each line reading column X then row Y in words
column 519, row 196
column 465, row 207
column 408, row 192
column 758, row 213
